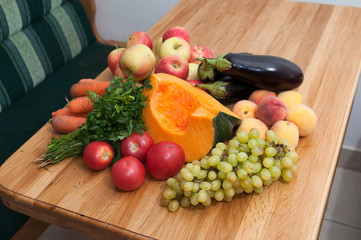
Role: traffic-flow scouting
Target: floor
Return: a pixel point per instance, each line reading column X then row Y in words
column 342, row 218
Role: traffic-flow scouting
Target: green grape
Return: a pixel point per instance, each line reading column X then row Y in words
column 226, row 184
column 232, row 159
column 219, row 195
column 216, row 152
column 253, row 158
column 228, row 199
column 265, row 174
column 189, row 166
column 173, row 205
column 208, row 201
column 226, row 167
column 253, row 133
column 185, row 202
column 234, row 143
column 230, row 192
column 238, row 190
column 261, row 143
column 171, row 181
column 252, row 143
column 268, row 182
column 204, row 163
column 293, row 156
column 278, row 164
column 256, row 181
column 242, row 136
column 202, row 174
column 249, row 167
column 215, row 185
column 164, row 202
column 246, row 183
column 196, row 162
column 258, row 189
column 248, row 189
column 214, row 161
column 275, row 171
column 231, row 177
column 270, row 151
column 283, row 141
column 236, row 183
column 176, row 187
column 287, row 174
column 202, row 196
column 195, row 170
column 286, row 162
column 257, row 167
column 231, row 150
column 212, row 175
column 243, row 148
column 188, row 176
column 271, row 136
column 187, row 193
column 169, row 193
column 222, row 146
column 188, row 186
column 294, row 169
column 242, row 174
column 268, row 162
column 179, row 176
column 222, row 175
column 194, row 199
column 195, row 187
column 257, row 151
column 241, row 157
column 205, row 186
column 210, row 193
column 183, row 170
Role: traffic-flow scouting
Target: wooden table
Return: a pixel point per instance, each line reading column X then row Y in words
column 323, row 40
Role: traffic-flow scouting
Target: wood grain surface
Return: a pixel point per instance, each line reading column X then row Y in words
column 324, row 40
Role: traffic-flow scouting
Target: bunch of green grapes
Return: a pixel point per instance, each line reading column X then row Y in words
column 247, row 163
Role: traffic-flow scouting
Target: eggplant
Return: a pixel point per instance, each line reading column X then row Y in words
column 227, row 90
column 263, row 71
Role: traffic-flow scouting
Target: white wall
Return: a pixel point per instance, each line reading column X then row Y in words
column 116, row 19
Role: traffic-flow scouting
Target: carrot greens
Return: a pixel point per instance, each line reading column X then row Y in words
column 116, row 114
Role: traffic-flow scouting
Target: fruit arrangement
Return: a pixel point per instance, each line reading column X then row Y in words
column 164, row 114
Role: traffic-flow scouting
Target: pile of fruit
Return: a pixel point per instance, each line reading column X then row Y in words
column 164, row 113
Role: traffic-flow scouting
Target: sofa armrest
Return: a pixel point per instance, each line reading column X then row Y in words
column 90, row 9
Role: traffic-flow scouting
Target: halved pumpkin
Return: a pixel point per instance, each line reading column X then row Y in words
column 178, row 112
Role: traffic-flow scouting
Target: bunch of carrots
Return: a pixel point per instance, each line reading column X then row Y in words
column 73, row 115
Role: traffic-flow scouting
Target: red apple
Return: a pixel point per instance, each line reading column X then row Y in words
column 173, row 64
column 113, row 58
column 198, row 51
column 139, row 37
column 137, row 61
column 175, row 45
column 176, row 31
column 120, row 72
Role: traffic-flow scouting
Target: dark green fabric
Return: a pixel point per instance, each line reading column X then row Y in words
column 53, row 34
column 28, row 114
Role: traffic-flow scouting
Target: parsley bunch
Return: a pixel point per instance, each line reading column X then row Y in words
column 116, row 114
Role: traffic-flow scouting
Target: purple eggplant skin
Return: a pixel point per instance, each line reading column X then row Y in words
column 263, row 71
column 227, row 90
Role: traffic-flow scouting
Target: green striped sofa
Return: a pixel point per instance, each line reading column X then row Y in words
column 45, row 46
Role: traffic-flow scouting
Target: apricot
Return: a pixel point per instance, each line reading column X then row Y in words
column 249, row 123
column 245, row 109
column 258, row 95
column 290, row 98
column 304, row 118
column 270, row 110
column 286, row 130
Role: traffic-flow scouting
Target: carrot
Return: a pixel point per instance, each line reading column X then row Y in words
column 80, row 105
column 66, row 111
column 79, row 89
column 66, row 123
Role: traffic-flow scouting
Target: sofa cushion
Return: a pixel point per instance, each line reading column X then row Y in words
column 38, row 37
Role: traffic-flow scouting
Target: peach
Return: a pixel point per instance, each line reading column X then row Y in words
column 245, row 109
column 304, row 118
column 258, row 95
column 290, row 98
column 286, row 130
column 249, row 123
column 270, row 110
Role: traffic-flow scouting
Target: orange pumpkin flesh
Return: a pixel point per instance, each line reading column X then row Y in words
column 178, row 112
